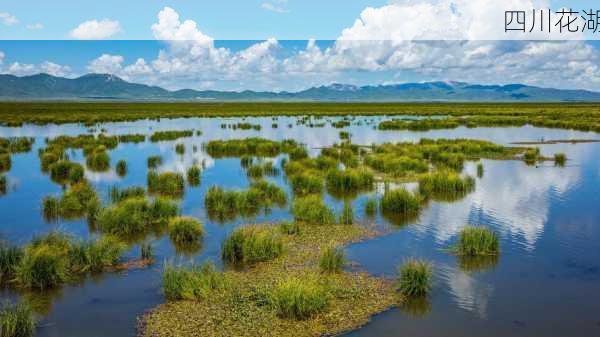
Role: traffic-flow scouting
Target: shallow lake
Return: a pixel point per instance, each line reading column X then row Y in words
column 546, row 281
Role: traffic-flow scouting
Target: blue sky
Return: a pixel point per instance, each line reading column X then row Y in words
column 267, row 44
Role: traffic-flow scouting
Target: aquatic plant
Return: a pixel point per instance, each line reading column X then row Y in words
column 332, row 260
column 5, row 162
column 10, row 257
column 166, row 183
column 95, row 255
column 258, row 170
column 154, row 162
column 306, row 183
column 227, row 204
column 479, row 170
column 251, row 244
column 312, row 210
column 415, row 278
column 43, row 266
column 185, row 230
column 147, row 251
column 78, row 200
column 290, row 227
column 560, row 159
column 371, row 206
column 349, row 180
column 117, row 194
column 194, row 283
column 180, row 148
column 121, row 168
column 299, row 298
column 135, row 216
column 259, row 147
column 3, row 184
column 193, row 175
column 445, row 183
column 64, row 171
column 159, row 136
column 475, row 241
column 51, row 208
column 16, row 320
column 401, row 202
column 531, row 156
column 98, row 159
column 347, row 214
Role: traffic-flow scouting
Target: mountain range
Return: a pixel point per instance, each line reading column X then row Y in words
column 111, row 87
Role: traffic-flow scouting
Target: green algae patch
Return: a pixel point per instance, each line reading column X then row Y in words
column 251, row 302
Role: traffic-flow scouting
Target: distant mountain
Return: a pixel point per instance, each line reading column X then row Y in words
column 110, row 87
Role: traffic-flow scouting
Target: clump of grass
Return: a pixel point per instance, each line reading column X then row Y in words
column 64, row 171
column 166, row 183
column 147, row 251
column 560, row 159
column 16, row 320
column 371, row 207
column 51, row 208
column 311, row 209
column 531, row 156
column 415, row 278
column 299, row 298
column 135, row 216
column 154, row 162
column 180, row 283
column 44, row 264
column 78, row 200
column 185, row 230
column 119, row 194
column 349, row 180
column 193, row 175
column 180, row 148
column 347, row 215
column 250, row 245
column 290, row 227
column 479, row 170
column 446, row 183
column 306, row 183
column 95, row 256
column 159, row 136
column 3, row 184
column 227, row 204
column 5, row 162
column 401, row 202
column 10, row 257
column 258, row 170
column 332, row 260
column 98, row 159
column 474, row 241
column 121, row 168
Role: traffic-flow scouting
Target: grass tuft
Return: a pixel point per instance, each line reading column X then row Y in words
column 16, row 320
column 415, row 278
column 312, row 210
column 194, row 283
column 332, row 260
column 474, row 241
column 299, row 298
column 249, row 245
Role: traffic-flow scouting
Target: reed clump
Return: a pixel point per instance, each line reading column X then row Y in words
column 193, row 175
column 169, row 184
column 560, row 159
column 193, row 283
column 479, row 170
column 78, row 200
column 154, row 162
column 251, row 244
column 228, row 204
column 185, row 230
column 415, row 278
column 10, row 257
column 312, row 210
column 476, row 241
column 332, row 260
column 117, row 194
column 3, row 184
column 306, row 183
column 401, row 202
column 349, row 180
column 347, row 214
column 98, row 159
column 16, row 320
column 121, row 168
column 445, row 183
column 299, row 298
column 258, row 147
column 371, row 207
column 64, row 171
column 160, row 136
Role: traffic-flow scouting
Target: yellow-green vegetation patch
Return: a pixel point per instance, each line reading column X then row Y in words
column 286, row 296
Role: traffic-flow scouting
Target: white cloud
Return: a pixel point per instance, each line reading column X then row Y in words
column 1, row 57
column 55, row 69
column 35, row 26
column 106, row 64
column 21, row 69
column 96, row 30
column 273, row 8
column 8, row 19
column 140, row 67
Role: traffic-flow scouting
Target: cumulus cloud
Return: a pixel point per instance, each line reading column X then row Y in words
column 21, row 69
column 273, row 8
column 96, row 30
column 8, row 19
column 55, row 69
column 106, row 64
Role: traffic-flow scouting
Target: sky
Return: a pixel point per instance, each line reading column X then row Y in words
column 291, row 45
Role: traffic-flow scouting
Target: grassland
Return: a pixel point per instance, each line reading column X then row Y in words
column 581, row 116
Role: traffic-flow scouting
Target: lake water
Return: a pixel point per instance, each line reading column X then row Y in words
column 546, row 281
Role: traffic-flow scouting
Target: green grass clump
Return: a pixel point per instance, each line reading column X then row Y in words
column 299, row 298
column 135, row 216
column 98, row 159
column 259, row 147
column 290, row 227
column 167, row 183
column 306, row 183
column 347, row 215
column 44, row 265
column 51, row 208
column 10, row 257
column 95, row 256
column 5, row 162
column 16, row 320
column 371, row 207
column 228, row 204
column 312, row 210
column 479, row 170
column 250, row 245
column 154, row 162
column 159, row 136
column 185, row 230
column 415, row 278
column 445, row 183
column 64, row 171
column 3, row 184
column 401, row 202
column 560, row 159
column 349, row 180
column 147, row 251
column 121, row 168
column 77, row 201
column 117, row 194
column 194, row 283
column 193, row 175
column 180, row 148
column 531, row 156
column 474, row 241
column 332, row 260
column 258, row 170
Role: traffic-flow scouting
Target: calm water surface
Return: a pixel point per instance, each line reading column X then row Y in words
column 545, row 283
